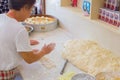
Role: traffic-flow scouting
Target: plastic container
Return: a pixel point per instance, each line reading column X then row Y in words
column 83, row 76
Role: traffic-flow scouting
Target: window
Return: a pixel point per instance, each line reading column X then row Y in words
column 39, row 7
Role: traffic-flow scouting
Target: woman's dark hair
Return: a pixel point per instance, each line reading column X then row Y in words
column 18, row 4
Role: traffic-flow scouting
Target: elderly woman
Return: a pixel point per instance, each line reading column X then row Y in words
column 14, row 39
column 4, row 9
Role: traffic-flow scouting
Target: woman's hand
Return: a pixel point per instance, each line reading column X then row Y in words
column 35, row 55
column 34, row 42
column 35, row 51
column 46, row 49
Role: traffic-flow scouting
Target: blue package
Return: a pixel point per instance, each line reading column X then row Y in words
column 86, row 6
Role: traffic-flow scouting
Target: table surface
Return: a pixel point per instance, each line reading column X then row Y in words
column 37, row 71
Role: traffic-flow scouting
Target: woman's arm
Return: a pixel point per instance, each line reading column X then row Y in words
column 32, row 56
column 34, row 42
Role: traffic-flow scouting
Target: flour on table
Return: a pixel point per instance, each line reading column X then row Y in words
column 48, row 63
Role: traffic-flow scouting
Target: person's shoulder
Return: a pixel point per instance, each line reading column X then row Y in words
column 4, row 18
column 2, row 15
column 19, row 28
column 18, row 25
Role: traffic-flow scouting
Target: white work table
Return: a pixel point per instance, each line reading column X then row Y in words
column 37, row 71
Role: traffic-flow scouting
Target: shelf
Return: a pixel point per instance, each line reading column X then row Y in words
column 108, row 26
column 77, row 11
column 95, row 5
column 94, row 13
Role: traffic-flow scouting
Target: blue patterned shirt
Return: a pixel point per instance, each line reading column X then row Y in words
column 4, row 6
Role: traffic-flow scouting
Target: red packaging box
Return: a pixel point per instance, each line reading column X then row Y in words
column 116, row 18
column 107, row 15
column 119, row 24
column 108, row 4
column 100, row 13
column 105, row 3
column 114, row 5
column 111, row 17
column 103, row 14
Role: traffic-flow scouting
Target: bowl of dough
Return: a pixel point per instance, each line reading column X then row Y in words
column 42, row 22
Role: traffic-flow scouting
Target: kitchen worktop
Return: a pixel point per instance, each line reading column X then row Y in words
column 37, row 71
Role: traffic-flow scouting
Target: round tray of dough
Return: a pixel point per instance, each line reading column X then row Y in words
column 42, row 22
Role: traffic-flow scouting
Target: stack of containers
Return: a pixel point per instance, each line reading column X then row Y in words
column 110, row 13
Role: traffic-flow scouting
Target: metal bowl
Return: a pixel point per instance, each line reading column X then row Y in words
column 28, row 28
column 83, row 76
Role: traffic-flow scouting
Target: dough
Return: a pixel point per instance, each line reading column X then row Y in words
column 108, row 76
column 39, row 20
column 90, row 57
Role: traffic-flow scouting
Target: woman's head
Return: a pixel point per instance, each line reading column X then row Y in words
column 24, row 7
column 18, row 4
